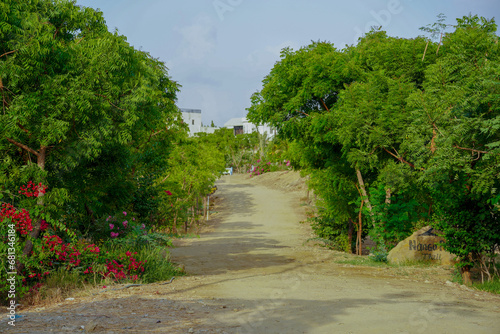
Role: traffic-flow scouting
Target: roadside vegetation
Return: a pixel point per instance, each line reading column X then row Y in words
column 396, row 134
column 97, row 172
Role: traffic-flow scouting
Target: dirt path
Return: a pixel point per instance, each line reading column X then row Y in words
column 253, row 274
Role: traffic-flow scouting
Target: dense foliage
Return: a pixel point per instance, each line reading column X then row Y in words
column 404, row 130
column 95, row 159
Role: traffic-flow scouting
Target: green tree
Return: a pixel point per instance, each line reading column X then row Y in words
column 78, row 100
column 454, row 137
column 413, row 124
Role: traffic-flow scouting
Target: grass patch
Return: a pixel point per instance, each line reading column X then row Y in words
column 157, row 266
column 492, row 286
column 362, row 261
column 372, row 262
column 58, row 286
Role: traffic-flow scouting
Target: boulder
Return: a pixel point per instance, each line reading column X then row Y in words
column 423, row 245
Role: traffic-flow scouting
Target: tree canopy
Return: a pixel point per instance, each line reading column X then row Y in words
column 409, row 127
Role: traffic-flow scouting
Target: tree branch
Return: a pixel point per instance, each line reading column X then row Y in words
column 104, row 96
column 153, row 133
column 165, row 179
column 324, row 104
column 23, row 128
column 24, row 147
column 425, row 51
column 473, row 150
column 300, row 111
column 399, row 158
column 7, row 53
column 374, row 150
column 439, row 45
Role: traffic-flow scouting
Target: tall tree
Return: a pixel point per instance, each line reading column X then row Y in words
column 454, row 135
column 75, row 95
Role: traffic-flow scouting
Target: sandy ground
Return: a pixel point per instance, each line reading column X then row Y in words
column 253, row 272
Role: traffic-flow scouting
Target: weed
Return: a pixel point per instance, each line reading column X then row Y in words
column 492, row 286
column 157, row 266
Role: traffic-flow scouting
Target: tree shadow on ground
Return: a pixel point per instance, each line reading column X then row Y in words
column 228, row 250
column 143, row 314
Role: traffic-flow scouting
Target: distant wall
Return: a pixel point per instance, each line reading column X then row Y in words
column 192, row 117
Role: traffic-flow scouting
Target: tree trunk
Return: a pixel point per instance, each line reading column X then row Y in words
column 388, row 196
column 193, row 215
column 466, row 275
column 349, row 233
column 359, row 242
column 363, row 190
column 433, row 140
column 204, row 206
column 35, row 233
column 174, row 226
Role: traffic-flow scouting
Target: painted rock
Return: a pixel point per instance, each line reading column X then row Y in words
column 423, row 245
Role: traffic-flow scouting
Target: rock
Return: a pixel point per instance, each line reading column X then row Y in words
column 423, row 245
column 90, row 326
column 70, row 328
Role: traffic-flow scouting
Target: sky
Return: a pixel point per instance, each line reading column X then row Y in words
column 219, row 51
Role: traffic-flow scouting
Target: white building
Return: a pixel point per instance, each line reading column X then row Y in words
column 192, row 117
column 243, row 126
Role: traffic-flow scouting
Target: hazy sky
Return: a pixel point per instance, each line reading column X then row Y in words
column 220, row 50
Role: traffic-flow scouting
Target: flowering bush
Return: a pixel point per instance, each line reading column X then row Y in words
column 59, row 250
column 19, row 217
column 264, row 167
column 32, row 190
column 124, row 268
column 86, row 258
column 119, row 225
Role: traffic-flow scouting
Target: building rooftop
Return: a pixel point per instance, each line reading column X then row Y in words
column 196, row 111
column 234, row 122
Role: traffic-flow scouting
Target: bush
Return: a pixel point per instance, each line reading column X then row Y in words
column 157, row 266
column 328, row 231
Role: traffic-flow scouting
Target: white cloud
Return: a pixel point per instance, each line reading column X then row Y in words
column 266, row 57
column 198, row 39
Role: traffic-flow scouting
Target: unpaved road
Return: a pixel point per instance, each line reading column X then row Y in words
column 253, row 274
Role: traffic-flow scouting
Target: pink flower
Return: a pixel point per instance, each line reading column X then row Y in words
column 125, row 223
column 143, row 226
column 111, row 226
column 288, row 163
column 124, row 213
column 258, row 161
column 114, row 235
column 169, row 193
column 133, row 218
